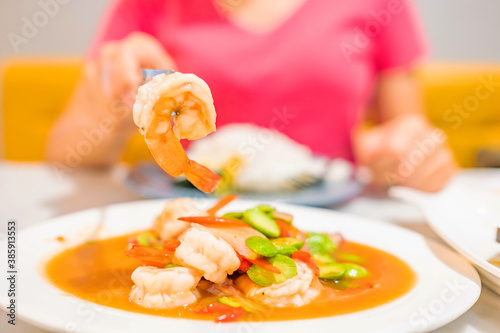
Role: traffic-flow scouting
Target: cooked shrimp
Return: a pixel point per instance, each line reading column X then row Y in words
column 207, row 253
column 171, row 107
column 163, row 288
column 297, row 291
column 167, row 225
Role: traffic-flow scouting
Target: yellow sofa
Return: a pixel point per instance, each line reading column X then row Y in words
column 36, row 90
column 464, row 100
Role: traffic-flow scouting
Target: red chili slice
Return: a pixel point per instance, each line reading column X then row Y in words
column 306, row 258
column 150, row 254
column 171, row 244
column 245, row 265
column 261, row 262
column 221, row 203
column 288, row 230
column 212, row 308
column 214, row 222
column 301, row 255
column 154, row 264
column 284, row 228
column 232, row 315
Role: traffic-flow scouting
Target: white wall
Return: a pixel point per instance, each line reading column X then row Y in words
column 457, row 29
column 68, row 32
column 462, row 29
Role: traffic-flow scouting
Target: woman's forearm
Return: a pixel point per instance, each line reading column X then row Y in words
column 398, row 94
column 91, row 131
column 75, row 141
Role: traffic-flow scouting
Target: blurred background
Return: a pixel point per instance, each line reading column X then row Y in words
column 46, row 63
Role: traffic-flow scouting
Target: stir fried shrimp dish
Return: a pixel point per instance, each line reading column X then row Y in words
column 172, row 107
column 223, row 264
column 226, row 266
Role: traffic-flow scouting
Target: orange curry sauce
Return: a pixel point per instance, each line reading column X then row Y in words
column 99, row 272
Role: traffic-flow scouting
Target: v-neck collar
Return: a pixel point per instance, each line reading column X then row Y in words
column 289, row 20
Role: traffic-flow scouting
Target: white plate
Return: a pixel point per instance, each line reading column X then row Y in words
column 447, row 285
column 466, row 214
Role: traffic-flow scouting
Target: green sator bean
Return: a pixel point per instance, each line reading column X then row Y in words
column 263, row 277
column 234, row 215
column 355, row 271
column 261, row 245
column 287, row 245
column 261, row 222
column 348, row 257
column 320, row 243
column 234, row 302
column 267, row 209
column 332, row 271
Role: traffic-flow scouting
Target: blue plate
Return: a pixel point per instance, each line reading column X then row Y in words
column 150, row 181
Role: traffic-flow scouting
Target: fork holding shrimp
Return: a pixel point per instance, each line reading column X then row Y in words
column 172, row 107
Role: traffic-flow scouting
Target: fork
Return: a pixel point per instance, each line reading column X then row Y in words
column 148, row 73
column 304, row 180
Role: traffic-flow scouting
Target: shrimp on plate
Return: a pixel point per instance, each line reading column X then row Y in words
column 242, row 261
column 167, row 225
column 207, row 253
column 164, row 288
column 172, row 107
column 296, row 291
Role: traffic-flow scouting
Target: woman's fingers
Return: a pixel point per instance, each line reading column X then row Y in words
column 118, row 72
column 434, row 173
column 148, row 52
column 121, row 62
column 105, row 66
column 406, row 151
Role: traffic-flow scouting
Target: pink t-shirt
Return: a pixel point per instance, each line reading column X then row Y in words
column 308, row 78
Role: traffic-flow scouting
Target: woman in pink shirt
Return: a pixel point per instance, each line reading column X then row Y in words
column 308, row 68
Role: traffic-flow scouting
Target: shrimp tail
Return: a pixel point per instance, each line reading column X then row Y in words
column 171, row 157
column 202, row 177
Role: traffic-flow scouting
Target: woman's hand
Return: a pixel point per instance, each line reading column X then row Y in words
column 406, row 150
column 118, row 68
column 99, row 114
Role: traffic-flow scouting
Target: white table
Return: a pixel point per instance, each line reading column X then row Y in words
column 33, row 192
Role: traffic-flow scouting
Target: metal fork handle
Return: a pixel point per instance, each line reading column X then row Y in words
column 148, row 73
